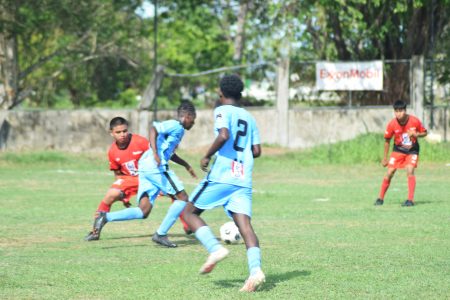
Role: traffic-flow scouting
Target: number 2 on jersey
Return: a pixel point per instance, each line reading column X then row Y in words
column 241, row 132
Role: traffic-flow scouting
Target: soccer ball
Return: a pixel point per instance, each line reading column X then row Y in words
column 229, row 233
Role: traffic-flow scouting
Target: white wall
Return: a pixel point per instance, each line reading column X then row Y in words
column 87, row 130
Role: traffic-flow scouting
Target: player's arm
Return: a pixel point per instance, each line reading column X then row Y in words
column 415, row 134
column 152, row 140
column 256, row 150
column 176, row 159
column 387, row 143
column 220, row 140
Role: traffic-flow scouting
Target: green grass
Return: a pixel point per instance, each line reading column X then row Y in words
column 321, row 236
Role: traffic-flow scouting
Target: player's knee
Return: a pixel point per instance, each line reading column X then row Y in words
column 182, row 196
column 145, row 212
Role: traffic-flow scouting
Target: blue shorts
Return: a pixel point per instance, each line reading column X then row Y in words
column 233, row 198
column 152, row 183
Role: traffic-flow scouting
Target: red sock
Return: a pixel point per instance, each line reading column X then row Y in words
column 384, row 186
column 411, row 187
column 185, row 225
column 103, row 207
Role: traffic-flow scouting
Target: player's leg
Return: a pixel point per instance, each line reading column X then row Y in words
column 410, row 167
column 175, row 210
column 206, row 237
column 169, row 183
column 256, row 277
column 112, row 195
column 239, row 207
column 140, row 212
column 204, row 197
column 146, row 195
column 186, row 228
column 192, row 217
column 385, row 185
column 145, row 199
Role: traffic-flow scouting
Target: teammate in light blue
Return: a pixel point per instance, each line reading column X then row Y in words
column 155, row 176
column 229, row 182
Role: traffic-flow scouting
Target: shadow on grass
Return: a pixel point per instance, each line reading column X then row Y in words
column 186, row 241
column 271, row 280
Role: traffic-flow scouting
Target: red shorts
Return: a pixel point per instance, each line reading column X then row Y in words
column 400, row 160
column 128, row 185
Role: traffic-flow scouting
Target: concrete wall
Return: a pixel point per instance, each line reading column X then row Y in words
column 87, row 130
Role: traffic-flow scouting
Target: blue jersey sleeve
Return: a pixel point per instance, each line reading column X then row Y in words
column 170, row 134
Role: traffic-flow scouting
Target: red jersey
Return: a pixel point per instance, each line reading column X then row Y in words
column 402, row 142
column 126, row 160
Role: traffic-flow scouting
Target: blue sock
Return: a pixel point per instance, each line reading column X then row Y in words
column 207, row 238
column 172, row 215
column 254, row 259
column 125, row 214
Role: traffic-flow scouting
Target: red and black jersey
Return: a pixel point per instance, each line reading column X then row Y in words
column 402, row 142
column 126, row 160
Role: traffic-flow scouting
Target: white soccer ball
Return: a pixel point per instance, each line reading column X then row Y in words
column 229, row 233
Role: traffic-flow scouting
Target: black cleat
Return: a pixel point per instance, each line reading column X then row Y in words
column 408, row 203
column 92, row 236
column 163, row 240
column 99, row 222
column 379, row 202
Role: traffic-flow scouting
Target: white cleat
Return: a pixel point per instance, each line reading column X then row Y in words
column 254, row 282
column 213, row 259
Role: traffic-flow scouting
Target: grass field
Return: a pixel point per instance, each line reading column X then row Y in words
column 321, row 236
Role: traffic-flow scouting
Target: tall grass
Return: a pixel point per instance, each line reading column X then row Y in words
column 364, row 149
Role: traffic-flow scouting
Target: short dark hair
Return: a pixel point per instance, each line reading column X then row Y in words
column 186, row 107
column 231, row 86
column 116, row 122
column 399, row 104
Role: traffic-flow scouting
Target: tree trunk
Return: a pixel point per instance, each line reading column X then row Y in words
column 239, row 41
column 9, row 67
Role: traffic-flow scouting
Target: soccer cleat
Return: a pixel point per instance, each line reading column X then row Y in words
column 163, row 240
column 99, row 222
column 92, row 236
column 254, row 282
column 408, row 203
column 379, row 202
column 213, row 259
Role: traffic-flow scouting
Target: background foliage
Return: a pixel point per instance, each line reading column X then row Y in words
column 61, row 53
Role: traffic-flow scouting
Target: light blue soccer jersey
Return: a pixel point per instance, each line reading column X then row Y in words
column 169, row 136
column 234, row 160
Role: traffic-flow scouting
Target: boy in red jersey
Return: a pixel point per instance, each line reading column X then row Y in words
column 406, row 130
column 124, row 154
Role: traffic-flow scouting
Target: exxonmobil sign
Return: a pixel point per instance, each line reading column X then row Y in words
column 349, row 76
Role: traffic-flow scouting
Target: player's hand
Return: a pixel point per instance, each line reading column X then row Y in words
column 191, row 171
column 384, row 162
column 204, row 164
column 412, row 133
column 127, row 204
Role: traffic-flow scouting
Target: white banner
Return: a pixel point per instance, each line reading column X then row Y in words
column 351, row 76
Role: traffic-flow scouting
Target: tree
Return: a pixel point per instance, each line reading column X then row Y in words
column 387, row 30
column 52, row 46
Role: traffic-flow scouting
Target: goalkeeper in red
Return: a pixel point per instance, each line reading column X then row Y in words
column 406, row 130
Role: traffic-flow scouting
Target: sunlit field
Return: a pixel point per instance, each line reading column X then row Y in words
column 321, row 236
